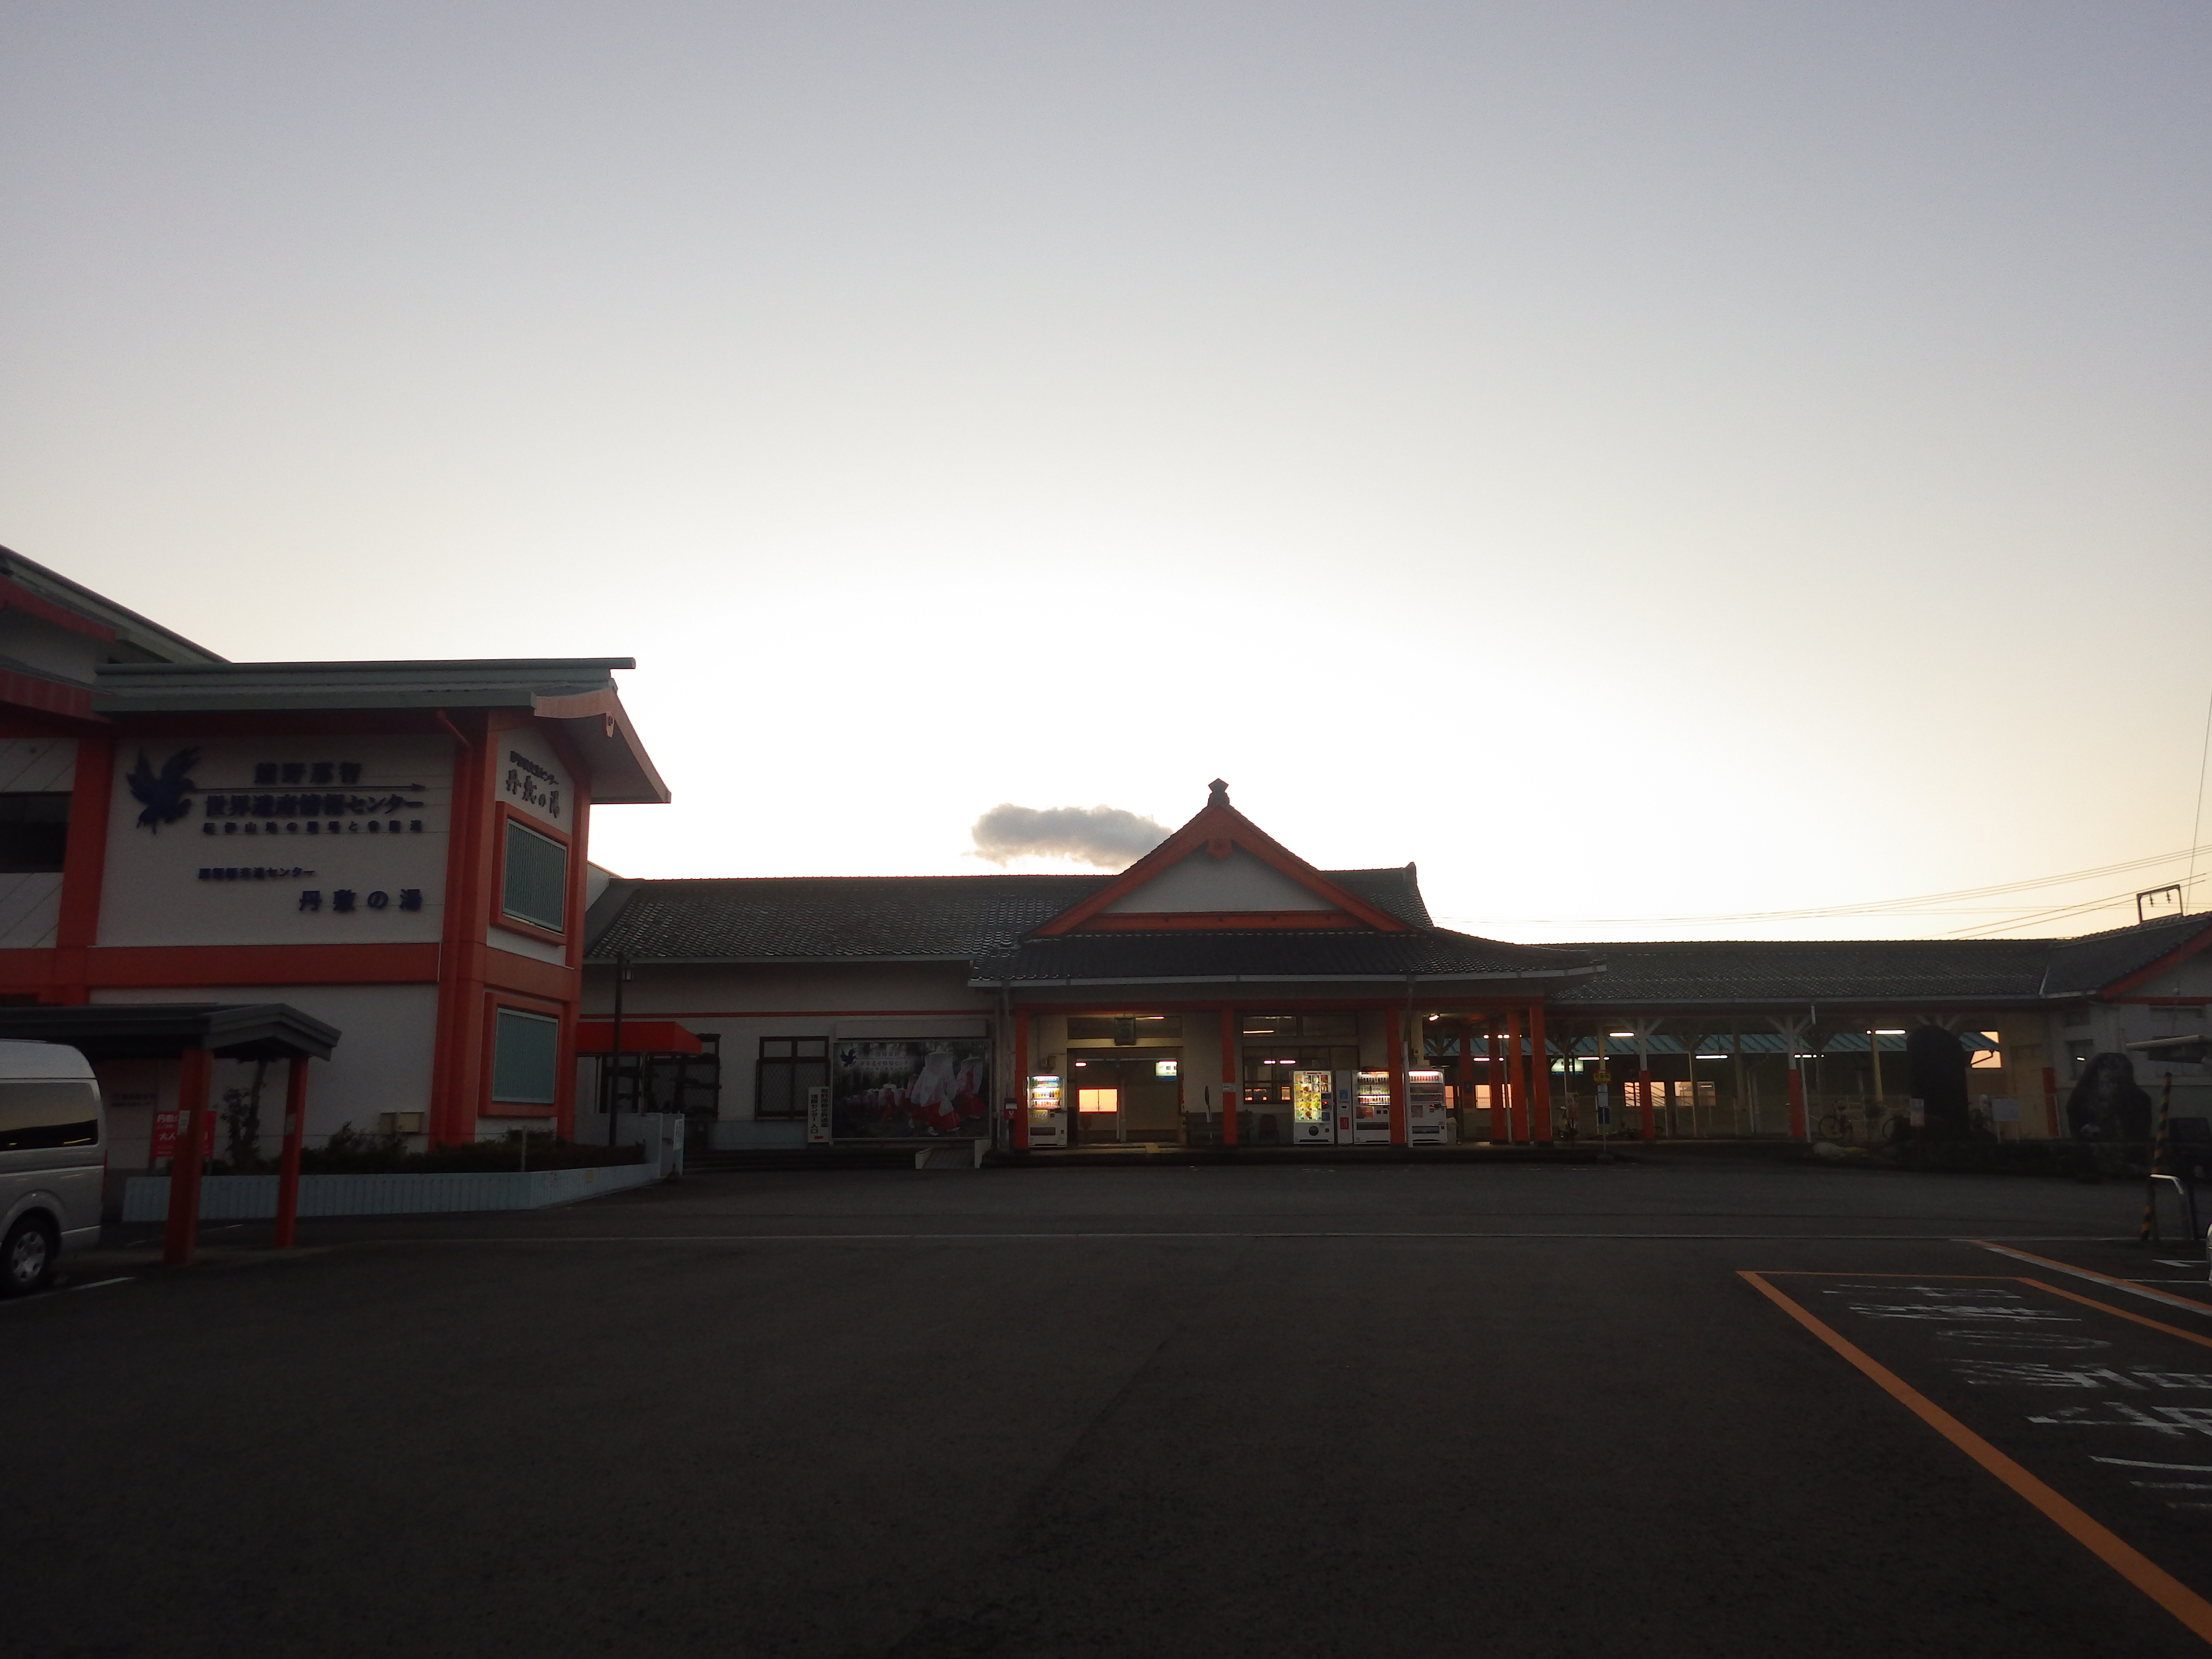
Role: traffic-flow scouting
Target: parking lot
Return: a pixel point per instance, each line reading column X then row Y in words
column 1598, row 1409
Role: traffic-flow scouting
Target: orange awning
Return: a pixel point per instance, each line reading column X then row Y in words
column 639, row 1036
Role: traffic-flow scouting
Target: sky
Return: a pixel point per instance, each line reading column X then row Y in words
column 1663, row 467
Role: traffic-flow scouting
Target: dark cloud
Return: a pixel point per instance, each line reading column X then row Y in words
column 1104, row 835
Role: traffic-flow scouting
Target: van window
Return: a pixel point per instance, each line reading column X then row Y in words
column 35, row 1115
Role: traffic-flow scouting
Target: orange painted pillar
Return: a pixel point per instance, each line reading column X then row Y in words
column 1649, row 1130
column 2050, row 1102
column 1021, row 1136
column 183, row 1231
column 1395, row 1037
column 1796, row 1100
column 1232, row 1093
column 287, row 1168
column 1516, row 1081
column 1501, row 1125
column 1540, row 1061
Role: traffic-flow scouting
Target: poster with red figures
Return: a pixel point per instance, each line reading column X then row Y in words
column 900, row 1090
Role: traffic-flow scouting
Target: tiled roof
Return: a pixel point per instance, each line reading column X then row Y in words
column 2095, row 960
column 1108, row 958
column 828, row 918
column 844, row 918
column 1801, row 971
column 1795, row 972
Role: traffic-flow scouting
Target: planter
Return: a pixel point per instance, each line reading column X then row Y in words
column 253, row 1198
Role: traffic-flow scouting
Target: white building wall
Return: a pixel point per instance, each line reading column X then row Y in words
column 382, row 1063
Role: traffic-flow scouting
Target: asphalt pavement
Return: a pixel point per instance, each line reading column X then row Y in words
column 1205, row 1410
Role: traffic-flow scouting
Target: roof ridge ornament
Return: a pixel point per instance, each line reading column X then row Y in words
column 1217, row 794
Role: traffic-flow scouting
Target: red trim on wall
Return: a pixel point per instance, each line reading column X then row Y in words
column 506, row 970
column 142, row 967
column 47, row 611
column 460, row 996
column 49, row 696
column 2174, row 959
column 1169, row 921
column 84, row 860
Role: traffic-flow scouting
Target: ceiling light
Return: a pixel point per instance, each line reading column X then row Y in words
column 1628, row 1033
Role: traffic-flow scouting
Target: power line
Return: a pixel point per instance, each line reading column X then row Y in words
column 1868, row 907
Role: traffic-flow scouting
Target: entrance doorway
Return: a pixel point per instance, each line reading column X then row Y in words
column 1124, row 1098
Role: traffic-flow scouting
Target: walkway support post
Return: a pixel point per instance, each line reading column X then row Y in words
column 1232, row 1095
column 1540, row 1057
column 1501, row 1125
column 1796, row 1034
column 1395, row 1035
column 183, row 1231
column 1516, row 1076
column 1645, row 1127
column 287, row 1168
column 1021, row 1136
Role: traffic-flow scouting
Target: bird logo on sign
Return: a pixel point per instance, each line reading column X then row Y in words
column 167, row 795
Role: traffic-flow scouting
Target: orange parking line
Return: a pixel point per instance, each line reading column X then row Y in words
column 2131, row 1564
column 2144, row 1291
column 2199, row 1338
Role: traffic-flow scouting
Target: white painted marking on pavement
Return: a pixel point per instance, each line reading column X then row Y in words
column 2137, row 1463
column 2095, row 1278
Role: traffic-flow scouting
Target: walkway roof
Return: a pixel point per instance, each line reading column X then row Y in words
column 155, row 1031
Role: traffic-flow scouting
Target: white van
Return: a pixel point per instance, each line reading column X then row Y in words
column 54, row 1159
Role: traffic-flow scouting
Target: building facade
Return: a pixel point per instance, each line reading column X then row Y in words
column 398, row 850
column 1210, row 993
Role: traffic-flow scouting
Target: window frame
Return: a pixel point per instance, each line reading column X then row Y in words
column 762, row 1059
column 61, row 858
column 563, row 1056
column 508, row 820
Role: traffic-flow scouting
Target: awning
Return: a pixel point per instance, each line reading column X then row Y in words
column 162, row 1031
column 639, row 1036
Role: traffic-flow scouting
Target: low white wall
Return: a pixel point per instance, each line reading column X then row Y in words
column 253, row 1198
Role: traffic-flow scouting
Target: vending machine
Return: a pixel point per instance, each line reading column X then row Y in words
column 1426, row 1113
column 1370, row 1108
column 1048, row 1113
column 1313, row 1109
column 1347, row 1105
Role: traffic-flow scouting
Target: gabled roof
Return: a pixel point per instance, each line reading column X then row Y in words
column 2107, row 961
column 26, row 582
column 1218, row 829
column 578, row 692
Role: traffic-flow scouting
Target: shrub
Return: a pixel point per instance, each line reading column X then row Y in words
column 353, row 1151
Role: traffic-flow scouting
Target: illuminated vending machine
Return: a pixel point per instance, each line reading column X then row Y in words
column 1048, row 1113
column 1370, row 1108
column 1425, row 1116
column 1313, row 1109
column 1347, row 1098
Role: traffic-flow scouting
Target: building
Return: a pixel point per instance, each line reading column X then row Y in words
column 1191, row 998
column 396, row 851
column 382, row 868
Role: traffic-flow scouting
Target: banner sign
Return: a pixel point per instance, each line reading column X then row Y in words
column 904, row 1090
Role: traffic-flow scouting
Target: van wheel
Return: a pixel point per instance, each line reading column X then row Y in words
column 26, row 1260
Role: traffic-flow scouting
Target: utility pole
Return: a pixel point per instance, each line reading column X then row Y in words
column 614, row 1061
